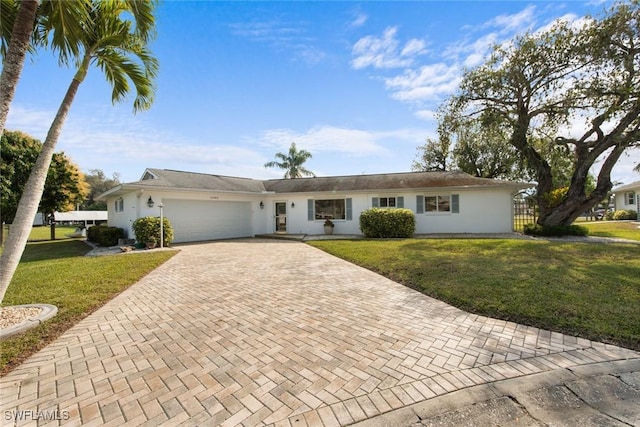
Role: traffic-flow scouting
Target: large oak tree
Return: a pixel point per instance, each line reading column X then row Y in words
column 574, row 87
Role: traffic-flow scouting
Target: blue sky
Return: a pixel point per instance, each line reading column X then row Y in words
column 354, row 83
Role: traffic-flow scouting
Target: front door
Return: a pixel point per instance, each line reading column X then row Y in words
column 281, row 217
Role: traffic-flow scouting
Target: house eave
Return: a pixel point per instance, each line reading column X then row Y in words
column 128, row 188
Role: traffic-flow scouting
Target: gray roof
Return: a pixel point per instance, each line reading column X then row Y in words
column 172, row 179
column 198, row 181
column 391, row 181
column 633, row 186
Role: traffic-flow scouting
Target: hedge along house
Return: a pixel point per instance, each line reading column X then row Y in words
column 208, row 207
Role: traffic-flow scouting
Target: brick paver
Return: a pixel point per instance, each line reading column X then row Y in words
column 261, row 332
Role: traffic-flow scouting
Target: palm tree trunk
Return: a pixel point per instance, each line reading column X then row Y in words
column 14, row 61
column 32, row 193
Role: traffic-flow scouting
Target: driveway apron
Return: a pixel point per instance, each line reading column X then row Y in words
column 266, row 332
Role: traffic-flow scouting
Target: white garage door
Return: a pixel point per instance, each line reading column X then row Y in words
column 194, row 221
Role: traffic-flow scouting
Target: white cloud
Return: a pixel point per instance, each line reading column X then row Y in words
column 385, row 51
column 414, row 47
column 34, row 122
column 332, row 139
column 114, row 141
column 509, row 24
column 271, row 32
column 282, row 37
column 428, row 83
column 359, row 20
column 325, row 138
column 426, row 115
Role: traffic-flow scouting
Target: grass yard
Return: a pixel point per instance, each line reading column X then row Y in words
column 619, row 229
column 584, row 289
column 44, row 232
column 58, row 273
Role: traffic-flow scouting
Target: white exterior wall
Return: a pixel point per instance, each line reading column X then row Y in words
column 125, row 218
column 136, row 207
column 481, row 210
column 620, row 201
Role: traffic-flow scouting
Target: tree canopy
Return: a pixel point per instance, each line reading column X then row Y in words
column 292, row 162
column 98, row 183
column 65, row 185
column 573, row 89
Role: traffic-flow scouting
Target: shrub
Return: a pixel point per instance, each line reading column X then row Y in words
column 148, row 228
column 386, row 223
column 555, row 231
column 624, row 214
column 104, row 236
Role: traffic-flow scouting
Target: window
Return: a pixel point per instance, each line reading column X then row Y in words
column 437, row 204
column 119, row 205
column 446, row 203
column 387, row 202
column 629, row 198
column 331, row 209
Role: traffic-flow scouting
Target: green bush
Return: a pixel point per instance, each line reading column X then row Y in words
column 624, row 214
column 555, row 231
column 148, row 228
column 104, row 236
column 386, row 223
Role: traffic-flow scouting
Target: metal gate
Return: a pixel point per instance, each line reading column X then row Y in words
column 524, row 211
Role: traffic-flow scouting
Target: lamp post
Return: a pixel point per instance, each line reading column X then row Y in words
column 161, row 225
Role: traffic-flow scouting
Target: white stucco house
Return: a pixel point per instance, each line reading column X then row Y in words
column 207, row 207
column 627, row 197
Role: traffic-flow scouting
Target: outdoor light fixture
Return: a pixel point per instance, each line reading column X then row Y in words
column 150, row 202
column 261, row 205
column 293, row 205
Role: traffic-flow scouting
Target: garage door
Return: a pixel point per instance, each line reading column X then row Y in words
column 194, row 221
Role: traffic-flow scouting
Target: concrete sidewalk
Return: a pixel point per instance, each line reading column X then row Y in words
column 266, row 332
column 601, row 394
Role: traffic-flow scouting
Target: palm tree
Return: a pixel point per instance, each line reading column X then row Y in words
column 118, row 47
column 17, row 51
column 61, row 19
column 292, row 163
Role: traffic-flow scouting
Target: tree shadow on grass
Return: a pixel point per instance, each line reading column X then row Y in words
column 58, row 249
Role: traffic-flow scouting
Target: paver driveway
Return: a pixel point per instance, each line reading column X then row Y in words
column 255, row 332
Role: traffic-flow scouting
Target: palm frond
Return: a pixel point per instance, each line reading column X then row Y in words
column 63, row 26
column 8, row 11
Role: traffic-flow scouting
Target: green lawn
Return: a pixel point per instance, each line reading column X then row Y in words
column 44, row 232
column 58, row 273
column 584, row 289
column 619, row 229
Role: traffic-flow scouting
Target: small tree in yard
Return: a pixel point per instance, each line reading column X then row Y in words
column 147, row 229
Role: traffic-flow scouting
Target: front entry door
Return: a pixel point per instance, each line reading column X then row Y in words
column 281, row 217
